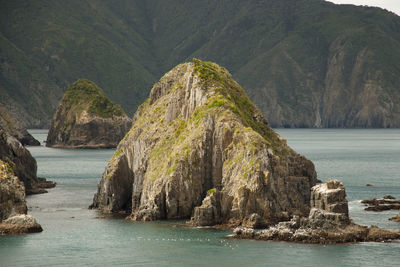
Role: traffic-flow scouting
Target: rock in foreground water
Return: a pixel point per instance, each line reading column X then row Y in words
column 86, row 118
column 327, row 223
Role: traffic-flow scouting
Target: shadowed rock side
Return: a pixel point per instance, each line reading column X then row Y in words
column 86, row 118
column 200, row 149
column 13, row 218
column 327, row 223
column 24, row 165
column 11, row 126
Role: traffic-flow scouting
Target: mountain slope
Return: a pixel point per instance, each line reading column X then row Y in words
column 304, row 63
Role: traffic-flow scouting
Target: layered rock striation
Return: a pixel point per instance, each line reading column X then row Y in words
column 13, row 218
column 200, row 149
column 86, row 118
column 327, row 223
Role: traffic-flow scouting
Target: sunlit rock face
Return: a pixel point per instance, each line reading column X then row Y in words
column 200, row 149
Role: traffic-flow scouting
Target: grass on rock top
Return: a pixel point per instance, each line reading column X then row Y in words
column 226, row 102
column 86, row 94
column 233, row 97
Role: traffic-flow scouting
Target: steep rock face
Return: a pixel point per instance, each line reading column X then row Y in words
column 198, row 146
column 86, row 118
column 12, row 193
column 13, row 218
column 12, row 127
column 15, row 154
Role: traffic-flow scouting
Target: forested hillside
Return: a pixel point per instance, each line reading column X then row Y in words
column 305, row 63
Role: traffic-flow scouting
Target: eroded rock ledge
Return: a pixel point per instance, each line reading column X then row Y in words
column 327, row 223
column 86, row 118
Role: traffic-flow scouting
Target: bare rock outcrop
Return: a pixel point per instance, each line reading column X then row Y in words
column 327, row 223
column 200, row 149
column 86, row 118
column 13, row 218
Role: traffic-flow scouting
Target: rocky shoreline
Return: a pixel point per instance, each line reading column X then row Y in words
column 327, row 223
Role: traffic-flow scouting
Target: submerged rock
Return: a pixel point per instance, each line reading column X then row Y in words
column 13, row 218
column 12, row 127
column 86, row 118
column 386, row 203
column 200, row 149
column 327, row 223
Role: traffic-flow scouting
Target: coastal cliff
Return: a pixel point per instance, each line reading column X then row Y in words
column 200, row 149
column 13, row 218
column 13, row 152
column 86, row 118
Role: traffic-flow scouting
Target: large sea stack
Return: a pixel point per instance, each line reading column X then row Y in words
column 86, row 118
column 200, row 149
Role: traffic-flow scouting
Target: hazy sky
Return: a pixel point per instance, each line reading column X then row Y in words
column 392, row 5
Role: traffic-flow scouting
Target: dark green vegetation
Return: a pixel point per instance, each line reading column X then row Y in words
column 87, row 95
column 304, row 63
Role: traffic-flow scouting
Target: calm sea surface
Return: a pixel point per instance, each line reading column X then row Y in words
column 73, row 236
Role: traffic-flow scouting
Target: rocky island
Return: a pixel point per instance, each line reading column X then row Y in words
column 86, row 118
column 199, row 149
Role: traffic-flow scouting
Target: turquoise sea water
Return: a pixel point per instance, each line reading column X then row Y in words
column 73, row 236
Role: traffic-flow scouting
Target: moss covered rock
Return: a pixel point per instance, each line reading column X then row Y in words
column 86, row 118
column 199, row 148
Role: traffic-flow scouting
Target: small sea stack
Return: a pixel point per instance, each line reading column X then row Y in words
column 86, row 118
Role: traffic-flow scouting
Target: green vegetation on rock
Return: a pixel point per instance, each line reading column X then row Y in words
column 86, row 95
column 6, row 170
